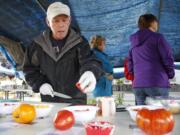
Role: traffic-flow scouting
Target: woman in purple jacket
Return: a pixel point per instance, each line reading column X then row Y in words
column 150, row 60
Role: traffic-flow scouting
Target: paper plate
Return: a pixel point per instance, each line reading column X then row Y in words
column 134, row 109
column 7, row 107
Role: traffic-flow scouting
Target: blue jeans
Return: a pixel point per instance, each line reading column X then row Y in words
column 142, row 93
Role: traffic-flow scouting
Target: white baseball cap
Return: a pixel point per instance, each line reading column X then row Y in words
column 57, row 8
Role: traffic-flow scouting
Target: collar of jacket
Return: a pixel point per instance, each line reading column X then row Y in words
column 43, row 40
column 97, row 50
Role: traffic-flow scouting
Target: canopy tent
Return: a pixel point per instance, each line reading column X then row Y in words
column 22, row 20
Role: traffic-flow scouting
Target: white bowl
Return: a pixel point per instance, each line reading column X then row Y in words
column 43, row 110
column 83, row 113
column 172, row 105
column 134, row 109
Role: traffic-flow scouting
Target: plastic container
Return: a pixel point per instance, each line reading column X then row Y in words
column 99, row 128
column 107, row 106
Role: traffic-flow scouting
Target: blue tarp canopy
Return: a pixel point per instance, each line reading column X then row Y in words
column 22, row 20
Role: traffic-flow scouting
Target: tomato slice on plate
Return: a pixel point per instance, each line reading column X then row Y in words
column 79, row 87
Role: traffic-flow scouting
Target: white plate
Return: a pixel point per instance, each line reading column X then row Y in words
column 134, row 109
column 7, row 107
column 83, row 113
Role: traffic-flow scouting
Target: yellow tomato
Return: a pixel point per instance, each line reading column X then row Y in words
column 24, row 113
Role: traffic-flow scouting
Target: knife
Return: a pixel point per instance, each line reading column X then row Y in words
column 61, row 95
column 133, row 126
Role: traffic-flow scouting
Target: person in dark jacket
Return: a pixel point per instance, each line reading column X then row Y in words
column 150, row 60
column 104, row 84
column 59, row 58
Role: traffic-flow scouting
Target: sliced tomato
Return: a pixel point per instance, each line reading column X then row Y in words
column 79, row 87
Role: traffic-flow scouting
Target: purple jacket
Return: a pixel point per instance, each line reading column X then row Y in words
column 150, row 60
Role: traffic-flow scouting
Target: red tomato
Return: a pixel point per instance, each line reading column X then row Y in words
column 64, row 120
column 155, row 122
column 128, row 76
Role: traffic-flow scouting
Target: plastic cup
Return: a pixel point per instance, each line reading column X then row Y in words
column 99, row 128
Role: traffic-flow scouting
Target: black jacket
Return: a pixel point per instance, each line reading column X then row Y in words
column 42, row 65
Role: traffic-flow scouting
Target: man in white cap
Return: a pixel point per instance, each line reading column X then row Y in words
column 59, row 59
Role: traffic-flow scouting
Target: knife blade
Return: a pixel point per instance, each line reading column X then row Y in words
column 61, row 95
column 133, row 126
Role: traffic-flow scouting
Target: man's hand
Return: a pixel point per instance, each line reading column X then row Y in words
column 46, row 89
column 87, row 82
